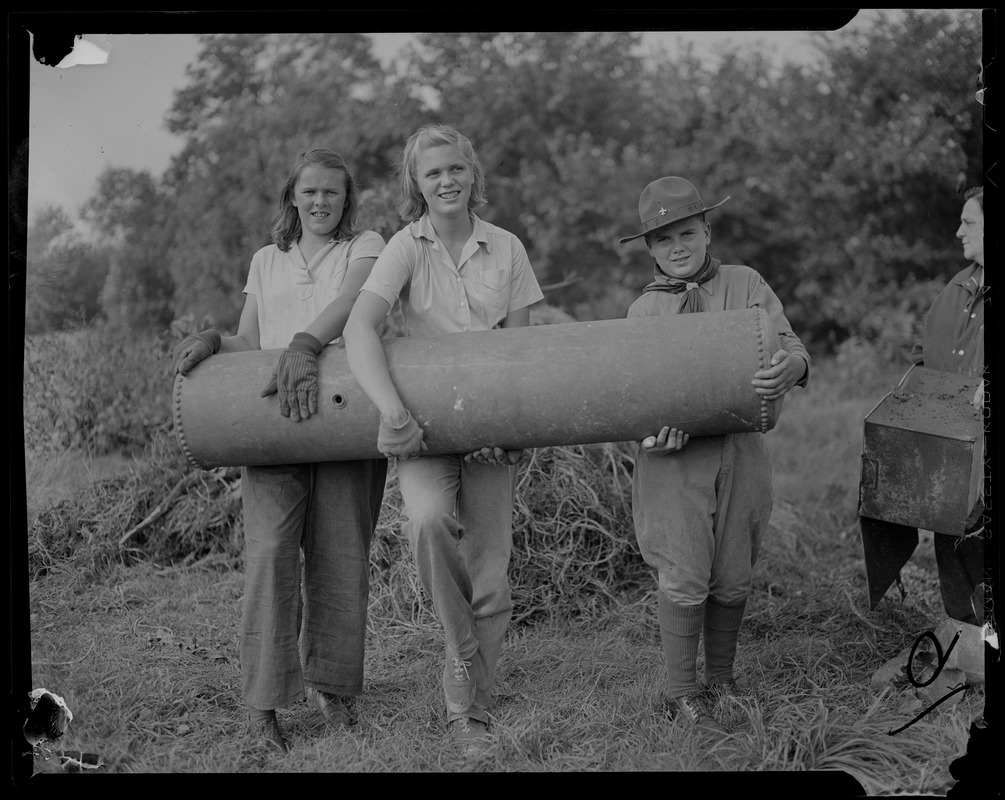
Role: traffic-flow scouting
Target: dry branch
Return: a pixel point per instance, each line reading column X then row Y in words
column 161, row 507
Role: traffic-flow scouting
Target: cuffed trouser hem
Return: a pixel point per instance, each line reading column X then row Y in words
column 341, row 691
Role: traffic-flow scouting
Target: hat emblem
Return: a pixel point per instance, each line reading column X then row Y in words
column 662, row 212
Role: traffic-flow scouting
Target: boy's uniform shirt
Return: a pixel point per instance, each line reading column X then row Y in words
column 734, row 288
column 953, row 339
column 436, row 296
column 700, row 513
column 290, row 293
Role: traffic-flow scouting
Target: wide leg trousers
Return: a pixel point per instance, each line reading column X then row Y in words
column 329, row 511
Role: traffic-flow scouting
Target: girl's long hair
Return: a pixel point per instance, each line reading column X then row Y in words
column 412, row 204
column 286, row 227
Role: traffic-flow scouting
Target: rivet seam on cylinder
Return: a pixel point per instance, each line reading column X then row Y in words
column 762, row 359
column 178, row 429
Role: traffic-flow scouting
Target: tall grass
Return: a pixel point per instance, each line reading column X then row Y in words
column 135, row 607
column 97, row 390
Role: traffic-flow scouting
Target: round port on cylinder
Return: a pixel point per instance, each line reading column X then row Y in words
column 339, row 400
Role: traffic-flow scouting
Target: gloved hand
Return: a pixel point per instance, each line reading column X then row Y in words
column 296, row 378
column 194, row 348
column 403, row 442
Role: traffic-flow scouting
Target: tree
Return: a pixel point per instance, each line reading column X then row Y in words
column 887, row 184
column 133, row 224
column 65, row 274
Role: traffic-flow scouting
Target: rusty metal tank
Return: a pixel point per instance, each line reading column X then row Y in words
column 537, row 386
column 923, row 453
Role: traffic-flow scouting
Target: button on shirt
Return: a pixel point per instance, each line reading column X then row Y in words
column 953, row 339
column 494, row 276
column 290, row 293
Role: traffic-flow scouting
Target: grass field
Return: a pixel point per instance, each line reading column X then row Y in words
column 134, row 623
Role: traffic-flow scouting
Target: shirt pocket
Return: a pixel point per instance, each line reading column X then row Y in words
column 490, row 289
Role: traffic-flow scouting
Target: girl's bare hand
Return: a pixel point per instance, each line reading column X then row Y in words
column 668, row 440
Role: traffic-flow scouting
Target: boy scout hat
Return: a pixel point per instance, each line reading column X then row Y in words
column 667, row 200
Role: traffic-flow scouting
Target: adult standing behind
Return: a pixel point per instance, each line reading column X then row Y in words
column 451, row 272
column 300, row 290
column 953, row 341
column 953, row 338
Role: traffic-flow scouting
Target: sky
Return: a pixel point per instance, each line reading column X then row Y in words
column 108, row 110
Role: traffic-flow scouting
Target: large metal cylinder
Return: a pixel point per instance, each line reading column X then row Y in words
column 538, row 386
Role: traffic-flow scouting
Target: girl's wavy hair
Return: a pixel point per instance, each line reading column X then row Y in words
column 286, row 227
column 412, row 205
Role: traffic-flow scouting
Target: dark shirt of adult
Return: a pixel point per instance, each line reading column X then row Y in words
column 953, row 338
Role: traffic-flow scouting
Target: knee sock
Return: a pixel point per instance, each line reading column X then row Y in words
column 680, row 631
column 721, row 632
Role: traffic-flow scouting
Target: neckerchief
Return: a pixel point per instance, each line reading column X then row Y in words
column 693, row 300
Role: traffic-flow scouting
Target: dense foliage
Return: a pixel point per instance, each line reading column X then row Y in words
column 844, row 172
column 96, row 390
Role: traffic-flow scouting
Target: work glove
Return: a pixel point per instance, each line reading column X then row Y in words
column 295, row 378
column 194, row 348
column 403, row 442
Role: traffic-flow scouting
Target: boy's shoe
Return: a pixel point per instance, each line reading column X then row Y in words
column 460, row 688
column 690, row 709
column 270, row 734
column 334, row 708
column 467, row 731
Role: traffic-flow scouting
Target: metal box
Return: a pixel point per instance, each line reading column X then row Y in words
column 923, row 453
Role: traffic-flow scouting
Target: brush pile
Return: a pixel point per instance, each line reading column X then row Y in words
column 572, row 530
column 165, row 512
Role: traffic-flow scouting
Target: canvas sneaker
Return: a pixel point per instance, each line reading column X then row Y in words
column 460, row 688
column 467, row 731
column 690, row 709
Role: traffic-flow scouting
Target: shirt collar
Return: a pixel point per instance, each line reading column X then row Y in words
column 481, row 232
column 324, row 249
column 422, row 228
column 968, row 278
